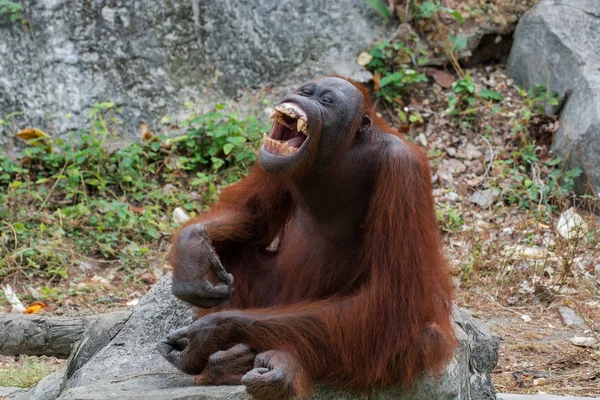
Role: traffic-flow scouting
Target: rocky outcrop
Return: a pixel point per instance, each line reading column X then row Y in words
column 558, row 42
column 151, row 57
column 128, row 367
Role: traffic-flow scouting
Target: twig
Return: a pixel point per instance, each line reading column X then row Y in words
column 587, row 323
column 54, row 185
column 492, row 156
column 14, row 234
column 145, row 374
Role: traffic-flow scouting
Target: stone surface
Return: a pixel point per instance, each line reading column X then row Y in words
column 150, row 57
column 129, row 367
column 558, row 41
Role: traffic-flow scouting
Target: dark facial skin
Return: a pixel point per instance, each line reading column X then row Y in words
column 331, row 105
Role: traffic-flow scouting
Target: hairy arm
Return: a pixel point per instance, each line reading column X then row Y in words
column 249, row 215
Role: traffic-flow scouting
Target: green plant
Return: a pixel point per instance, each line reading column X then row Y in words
column 391, row 63
column 463, row 95
column 13, row 10
column 428, row 9
column 381, row 8
column 77, row 197
column 450, row 219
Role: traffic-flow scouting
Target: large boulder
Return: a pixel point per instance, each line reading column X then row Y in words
column 127, row 366
column 151, row 57
column 558, row 42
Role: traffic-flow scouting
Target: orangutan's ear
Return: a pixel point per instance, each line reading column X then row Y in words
column 365, row 124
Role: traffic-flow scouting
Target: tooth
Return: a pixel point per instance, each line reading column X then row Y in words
column 273, row 115
column 300, row 125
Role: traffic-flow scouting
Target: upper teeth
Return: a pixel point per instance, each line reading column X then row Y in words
column 301, row 121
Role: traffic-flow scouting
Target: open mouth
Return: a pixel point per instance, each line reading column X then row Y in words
column 289, row 132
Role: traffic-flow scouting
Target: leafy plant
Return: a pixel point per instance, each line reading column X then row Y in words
column 391, row 62
column 78, row 196
column 381, row 8
column 13, row 10
column 427, row 9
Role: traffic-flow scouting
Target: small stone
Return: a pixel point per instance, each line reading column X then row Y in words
column 570, row 225
column 179, row 216
column 484, row 198
column 470, row 152
column 169, row 189
column 569, row 317
column 580, row 341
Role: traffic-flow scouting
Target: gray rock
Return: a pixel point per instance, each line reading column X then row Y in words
column 128, row 367
column 150, row 57
column 6, row 390
column 46, row 389
column 558, row 41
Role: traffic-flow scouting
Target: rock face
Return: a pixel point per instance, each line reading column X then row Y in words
column 150, row 57
column 129, row 367
column 558, row 41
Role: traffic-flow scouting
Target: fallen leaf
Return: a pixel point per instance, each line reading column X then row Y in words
column 376, row 79
column 364, row 58
column 32, row 133
column 36, row 307
column 137, row 210
column 443, row 79
column 145, row 133
column 485, row 198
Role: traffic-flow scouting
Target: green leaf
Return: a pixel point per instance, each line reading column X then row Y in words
column 381, row 8
column 455, row 13
column 427, row 9
column 227, row 148
column 19, row 227
column 236, row 139
column 396, row 77
column 490, row 95
column 458, row 42
column 554, row 161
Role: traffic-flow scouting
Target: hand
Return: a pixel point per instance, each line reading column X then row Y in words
column 189, row 348
column 273, row 376
column 193, row 257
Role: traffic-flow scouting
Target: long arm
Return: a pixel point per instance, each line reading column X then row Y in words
column 248, row 216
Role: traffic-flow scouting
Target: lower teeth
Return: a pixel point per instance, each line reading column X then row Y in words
column 280, row 147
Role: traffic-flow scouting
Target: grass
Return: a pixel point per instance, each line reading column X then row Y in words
column 30, row 371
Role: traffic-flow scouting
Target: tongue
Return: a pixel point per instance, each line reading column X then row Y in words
column 296, row 141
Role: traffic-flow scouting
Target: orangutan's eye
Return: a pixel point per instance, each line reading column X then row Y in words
column 305, row 92
column 326, row 100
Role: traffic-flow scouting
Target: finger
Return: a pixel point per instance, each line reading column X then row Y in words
column 178, row 334
column 171, row 354
column 216, row 291
column 209, row 303
column 253, row 376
